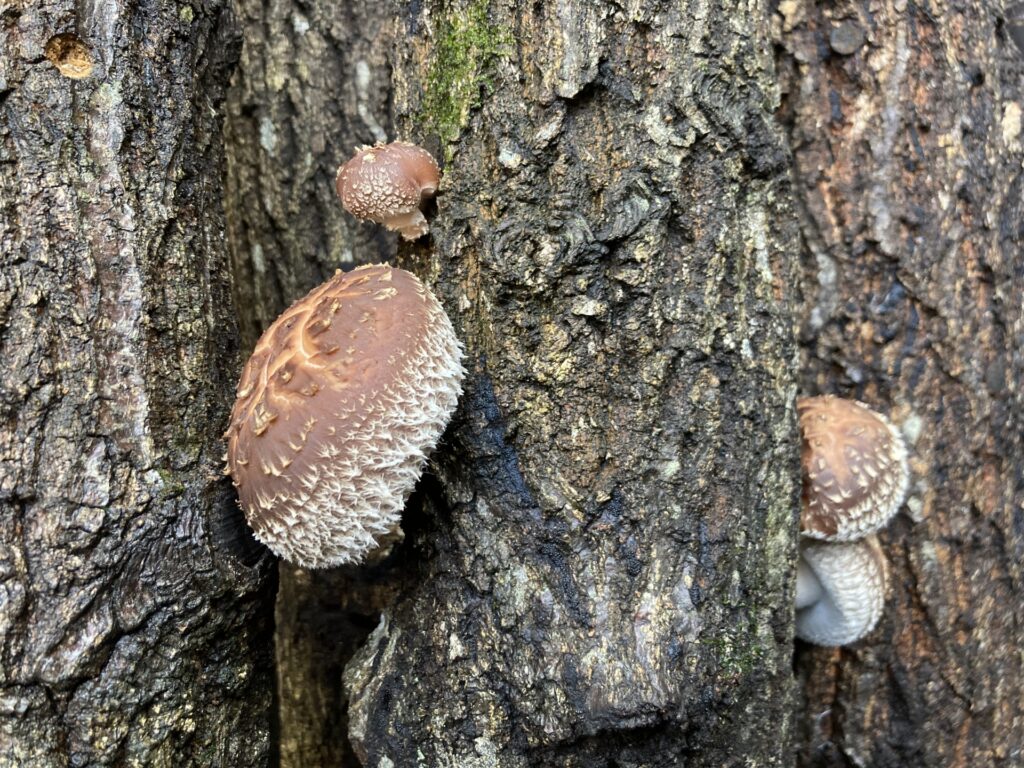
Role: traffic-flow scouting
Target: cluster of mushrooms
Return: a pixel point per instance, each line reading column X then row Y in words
column 348, row 392
column 855, row 479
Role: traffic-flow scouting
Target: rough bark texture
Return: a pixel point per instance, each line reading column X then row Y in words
column 134, row 607
column 605, row 579
column 312, row 84
column 906, row 129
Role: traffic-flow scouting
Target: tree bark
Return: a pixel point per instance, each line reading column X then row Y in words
column 613, row 188
column 312, row 84
column 134, row 607
column 905, row 122
column 598, row 569
column 604, row 575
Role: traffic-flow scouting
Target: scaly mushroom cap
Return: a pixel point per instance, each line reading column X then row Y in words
column 342, row 400
column 840, row 591
column 854, row 467
column 386, row 183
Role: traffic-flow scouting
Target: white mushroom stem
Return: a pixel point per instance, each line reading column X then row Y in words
column 411, row 225
column 808, row 588
column 850, row 581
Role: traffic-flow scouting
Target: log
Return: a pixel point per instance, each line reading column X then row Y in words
column 905, row 123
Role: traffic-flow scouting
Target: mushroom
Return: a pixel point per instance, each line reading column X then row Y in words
column 343, row 399
column 840, row 591
column 855, row 469
column 387, row 183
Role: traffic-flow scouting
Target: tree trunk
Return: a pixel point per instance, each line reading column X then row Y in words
column 608, row 238
column 134, row 607
column 906, row 127
column 606, row 579
column 603, row 571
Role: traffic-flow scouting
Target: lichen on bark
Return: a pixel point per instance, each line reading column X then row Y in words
column 464, row 55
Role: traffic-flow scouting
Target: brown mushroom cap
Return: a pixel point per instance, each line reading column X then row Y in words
column 840, row 591
column 344, row 397
column 854, row 466
column 386, row 183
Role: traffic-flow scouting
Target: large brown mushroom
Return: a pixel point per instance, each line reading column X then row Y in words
column 344, row 397
column 387, row 183
column 855, row 469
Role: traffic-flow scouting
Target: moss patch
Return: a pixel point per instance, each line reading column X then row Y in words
column 466, row 51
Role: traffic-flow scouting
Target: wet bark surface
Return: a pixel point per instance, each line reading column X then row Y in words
column 134, row 606
column 905, row 122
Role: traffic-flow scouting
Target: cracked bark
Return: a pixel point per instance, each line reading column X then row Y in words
column 133, row 607
column 905, row 122
column 596, row 587
column 607, row 579
column 598, row 568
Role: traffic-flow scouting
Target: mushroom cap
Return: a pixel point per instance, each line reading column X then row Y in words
column 344, row 397
column 386, row 183
column 851, row 578
column 854, row 467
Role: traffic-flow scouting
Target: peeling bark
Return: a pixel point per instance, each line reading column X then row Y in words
column 905, row 122
column 133, row 606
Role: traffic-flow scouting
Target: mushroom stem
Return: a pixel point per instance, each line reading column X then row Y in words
column 808, row 588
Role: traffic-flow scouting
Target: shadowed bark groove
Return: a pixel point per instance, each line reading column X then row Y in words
column 133, row 604
column 905, row 122
column 610, row 581
column 312, row 84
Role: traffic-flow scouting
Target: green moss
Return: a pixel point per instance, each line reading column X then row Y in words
column 739, row 652
column 466, row 52
column 172, row 486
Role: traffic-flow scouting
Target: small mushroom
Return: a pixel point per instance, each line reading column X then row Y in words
column 854, row 466
column 387, row 183
column 840, row 591
column 343, row 399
